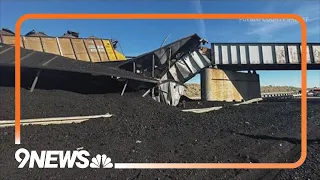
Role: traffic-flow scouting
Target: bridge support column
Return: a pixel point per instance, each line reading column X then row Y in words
column 206, row 85
column 220, row 85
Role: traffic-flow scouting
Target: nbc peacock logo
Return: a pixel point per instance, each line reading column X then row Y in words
column 101, row 161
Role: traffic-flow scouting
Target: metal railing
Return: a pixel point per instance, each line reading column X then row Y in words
column 280, row 94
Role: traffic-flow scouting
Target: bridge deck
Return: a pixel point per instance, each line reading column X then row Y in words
column 265, row 56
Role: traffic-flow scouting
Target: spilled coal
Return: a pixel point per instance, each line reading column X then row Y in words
column 144, row 131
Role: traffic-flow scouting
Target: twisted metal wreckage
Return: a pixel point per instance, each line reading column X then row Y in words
column 162, row 71
column 172, row 66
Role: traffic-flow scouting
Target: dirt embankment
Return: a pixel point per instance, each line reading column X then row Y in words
column 193, row 90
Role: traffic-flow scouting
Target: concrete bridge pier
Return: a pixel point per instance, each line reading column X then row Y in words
column 222, row 85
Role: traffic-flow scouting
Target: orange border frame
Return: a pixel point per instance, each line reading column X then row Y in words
column 179, row 16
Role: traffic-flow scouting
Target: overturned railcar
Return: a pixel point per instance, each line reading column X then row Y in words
column 67, row 61
column 91, row 49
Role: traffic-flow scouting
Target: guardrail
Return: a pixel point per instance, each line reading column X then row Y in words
column 280, row 94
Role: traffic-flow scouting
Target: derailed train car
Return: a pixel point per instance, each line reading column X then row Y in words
column 91, row 49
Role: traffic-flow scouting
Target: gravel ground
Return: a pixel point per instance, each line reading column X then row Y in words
column 249, row 133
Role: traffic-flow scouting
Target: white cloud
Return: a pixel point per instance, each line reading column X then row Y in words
column 202, row 25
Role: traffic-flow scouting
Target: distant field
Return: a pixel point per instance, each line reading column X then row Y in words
column 193, row 90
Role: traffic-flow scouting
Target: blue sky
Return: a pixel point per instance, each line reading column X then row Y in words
column 139, row 36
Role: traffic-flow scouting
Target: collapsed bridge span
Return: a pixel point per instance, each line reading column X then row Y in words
column 163, row 72
column 173, row 65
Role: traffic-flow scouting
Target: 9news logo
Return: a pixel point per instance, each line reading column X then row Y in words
column 61, row 159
